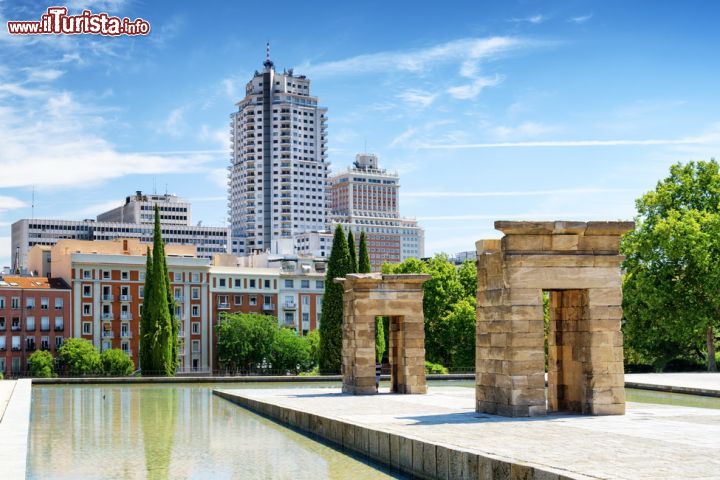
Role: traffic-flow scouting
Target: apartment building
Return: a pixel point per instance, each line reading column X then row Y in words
column 140, row 208
column 107, row 281
column 34, row 315
column 278, row 171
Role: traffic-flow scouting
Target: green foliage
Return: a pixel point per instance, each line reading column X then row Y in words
column 448, row 297
column 435, row 368
column 364, row 257
column 313, row 340
column 352, row 253
column 379, row 339
column 290, row 353
column 116, row 363
column 158, row 328
column 332, row 305
column 41, row 364
column 79, row 357
column 672, row 266
column 245, row 341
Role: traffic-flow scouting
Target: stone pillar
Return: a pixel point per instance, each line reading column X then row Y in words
column 400, row 297
column 578, row 263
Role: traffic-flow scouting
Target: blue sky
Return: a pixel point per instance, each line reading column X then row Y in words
column 503, row 110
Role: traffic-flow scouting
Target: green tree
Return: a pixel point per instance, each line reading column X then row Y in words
column 146, row 325
column 672, row 265
column 313, row 340
column 116, row 363
column 364, row 258
column 245, row 340
column 379, row 339
column 158, row 328
column 352, row 252
column 457, row 335
column 41, row 364
column 290, row 352
column 332, row 305
column 440, row 294
column 79, row 357
column 467, row 274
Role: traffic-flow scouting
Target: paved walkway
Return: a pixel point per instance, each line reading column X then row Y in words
column 649, row 442
column 6, row 389
column 696, row 383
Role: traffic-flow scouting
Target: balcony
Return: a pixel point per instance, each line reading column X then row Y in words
column 223, row 306
column 108, row 298
column 108, row 316
column 59, row 328
column 268, row 306
column 179, row 298
column 125, row 334
column 126, row 316
column 289, row 305
column 108, row 334
column 181, row 333
column 126, row 298
column 15, row 328
column 15, row 349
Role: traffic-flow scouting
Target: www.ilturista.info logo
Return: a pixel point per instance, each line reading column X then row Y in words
column 57, row 22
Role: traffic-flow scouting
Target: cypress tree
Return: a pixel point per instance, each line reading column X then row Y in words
column 332, row 305
column 352, row 253
column 364, row 258
column 145, row 324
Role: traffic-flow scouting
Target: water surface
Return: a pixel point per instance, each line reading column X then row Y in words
column 171, row 431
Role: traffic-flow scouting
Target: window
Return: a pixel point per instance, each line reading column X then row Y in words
column 306, row 317
column 87, row 328
column 141, row 276
column 252, row 283
column 106, row 274
column 15, row 324
column 177, row 276
column 195, row 311
column 289, row 318
column 30, row 323
column 125, row 294
column 59, row 303
column 87, row 291
column 44, row 324
column 306, row 300
column 253, row 300
column 87, row 274
column 59, row 324
column 196, row 346
column 267, row 300
column 289, row 283
column 221, row 282
column 44, row 303
column 124, row 275
column 238, row 283
column 196, row 328
column 15, row 303
column 16, row 344
column 2, row 324
column 140, row 309
column 304, row 283
column 178, row 312
column 195, row 293
column 44, row 343
column 195, row 277
column 87, row 308
column 2, row 302
column 58, row 342
column 267, row 283
column 237, row 299
column 319, row 284
column 177, row 292
column 141, row 291
column 30, row 303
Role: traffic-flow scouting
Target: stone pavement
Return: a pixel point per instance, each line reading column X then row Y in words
column 650, row 441
column 696, row 383
column 14, row 427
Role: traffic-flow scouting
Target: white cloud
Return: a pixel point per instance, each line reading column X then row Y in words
column 417, row 98
column 174, row 123
column 473, row 89
column 525, row 129
column 10, row 203
column 710, row 137
column 43, row 74
column 417, row 60
column 534, row 19
column 218, row 176
column 517, row 193
column 580, row 19
column 403, row 137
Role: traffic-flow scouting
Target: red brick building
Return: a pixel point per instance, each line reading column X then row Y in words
column 34, row 315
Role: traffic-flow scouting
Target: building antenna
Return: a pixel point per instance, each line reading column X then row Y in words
column 166, row 189
column 154, row 185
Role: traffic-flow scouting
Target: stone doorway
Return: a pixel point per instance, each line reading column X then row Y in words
column 399, row 297
column 579, row 264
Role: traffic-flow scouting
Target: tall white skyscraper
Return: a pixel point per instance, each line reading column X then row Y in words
column 278, row 172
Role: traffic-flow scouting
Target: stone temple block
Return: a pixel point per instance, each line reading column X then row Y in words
column 399, row 297
column 578, row 263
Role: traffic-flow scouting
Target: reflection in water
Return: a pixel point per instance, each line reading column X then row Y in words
column 169, row 431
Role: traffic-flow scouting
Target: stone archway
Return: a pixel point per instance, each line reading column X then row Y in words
column 400, row 297
column 578, row 263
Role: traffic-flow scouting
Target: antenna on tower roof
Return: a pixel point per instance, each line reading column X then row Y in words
column 267, row 63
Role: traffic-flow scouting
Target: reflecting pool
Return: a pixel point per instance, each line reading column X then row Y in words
column 171, row 431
